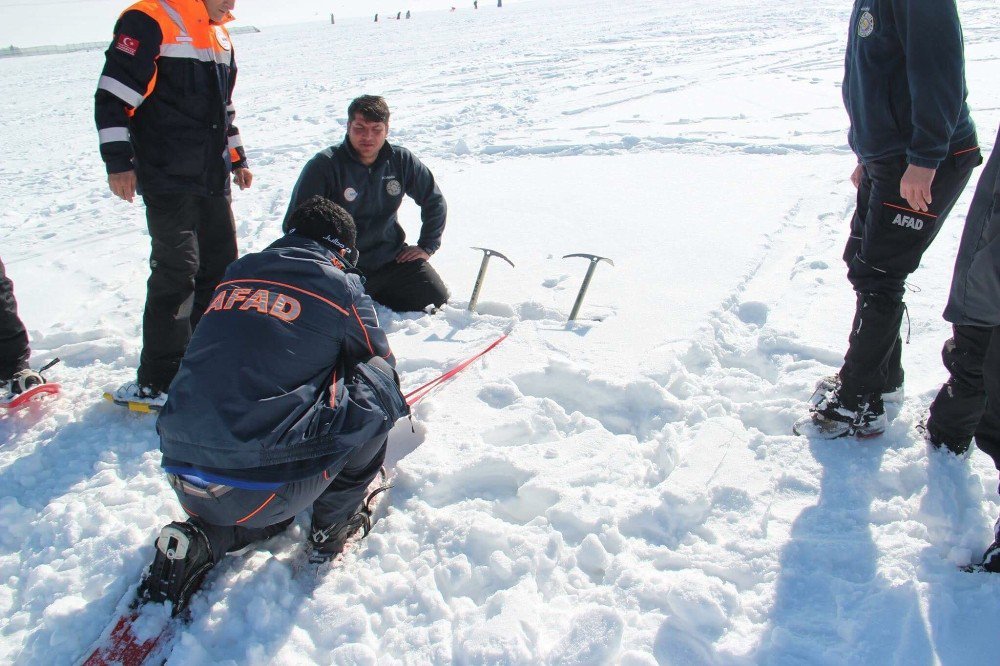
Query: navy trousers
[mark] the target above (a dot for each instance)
(409, 286)
(887, 240)
(14, 350)
(193, 242)
(233, 518)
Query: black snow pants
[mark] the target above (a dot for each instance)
(193, 241)
(887, 240)
(968, 405)
(409, 286)
(236, 517)
(14, 351)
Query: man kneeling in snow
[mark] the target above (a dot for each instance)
(283, 401)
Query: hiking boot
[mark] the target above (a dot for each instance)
(328, 542)
(22, 381)
(991, 558)
(183, 558)
(136, 393)
(831, 383)
(933, 437)
(834, 417)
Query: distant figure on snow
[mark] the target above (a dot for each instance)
(916, 146)
(407, 13)
(376, 18)
(368, 176)
(968, 405)
(15, 375)
(399, 15)
(475, 4)
(284, 401)
(164, 111)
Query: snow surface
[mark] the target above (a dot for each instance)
(619, 490)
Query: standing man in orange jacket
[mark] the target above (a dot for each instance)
(164, 115)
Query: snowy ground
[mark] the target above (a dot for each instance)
(622, 490)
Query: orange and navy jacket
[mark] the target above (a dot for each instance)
(260, 394)
(164, 100)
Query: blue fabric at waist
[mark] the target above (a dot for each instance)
(194, 475)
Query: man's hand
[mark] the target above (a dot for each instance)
(915, 187)
(856, 176)
(242, 177)
(122, 185)
(411, 253)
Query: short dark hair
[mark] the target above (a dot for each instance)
(371, 107)
(322, 220)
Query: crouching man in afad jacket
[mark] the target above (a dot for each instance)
(283, 401)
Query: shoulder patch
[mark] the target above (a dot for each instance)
(127, 44)
(866, 24)
(223, 38)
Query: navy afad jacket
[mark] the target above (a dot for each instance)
(904, 81)
(287, 372)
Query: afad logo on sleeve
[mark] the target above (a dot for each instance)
(127, 44)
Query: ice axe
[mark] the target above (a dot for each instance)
(594, 260)
(487, 253)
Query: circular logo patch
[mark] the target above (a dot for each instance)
(350, 194)
(866, 24)
(220, 34)
(393, 188)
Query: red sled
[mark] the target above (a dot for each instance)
(49, 388)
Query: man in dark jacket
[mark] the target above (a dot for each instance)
(968, 405)
(164, 115)
(904, 89)
(15, 375)
(283, 401)
(368, 176)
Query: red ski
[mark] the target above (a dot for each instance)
(21, 399)
(125, 648)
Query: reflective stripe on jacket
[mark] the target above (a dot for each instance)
(164, 100)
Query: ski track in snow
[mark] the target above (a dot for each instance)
(619, 490)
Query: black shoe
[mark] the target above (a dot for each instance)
(938, 441)
(23, 380)
(328, 542)
(834, 417)
(183, 557)
(991, 558)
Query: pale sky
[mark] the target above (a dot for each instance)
(44, 22)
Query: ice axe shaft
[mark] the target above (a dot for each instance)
(594, 260)
(487, 253)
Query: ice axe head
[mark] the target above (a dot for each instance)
(594, 260)
(487, 253)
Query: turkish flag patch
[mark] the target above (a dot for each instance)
(127, 44)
